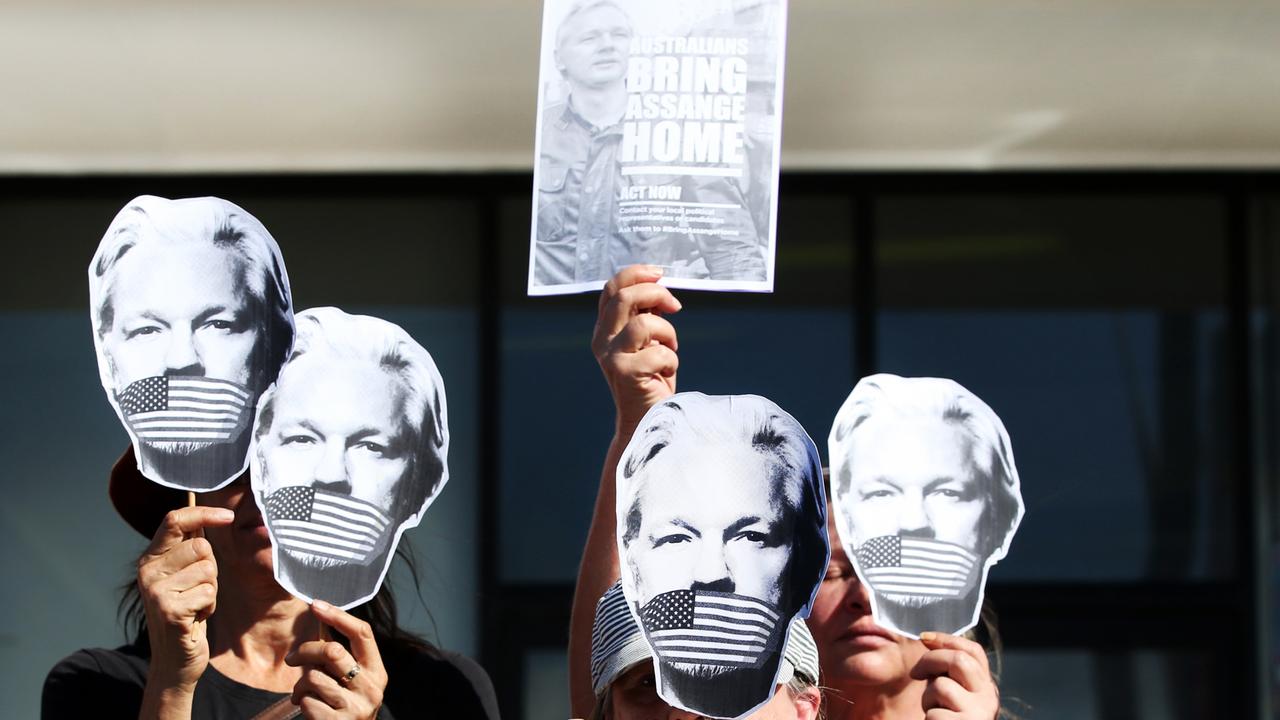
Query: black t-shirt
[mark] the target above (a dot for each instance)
(104, 684)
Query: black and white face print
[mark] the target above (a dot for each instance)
(192, 318)
(349, 448)
(722, 542)
(926, 499)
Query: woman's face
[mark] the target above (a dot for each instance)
(242, 549)
(854, 651)
(634, 696)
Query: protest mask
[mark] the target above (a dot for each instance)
(349, 449)
(722, 544)
(926, 499)
(192, 318)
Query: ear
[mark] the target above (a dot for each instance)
(808, 703)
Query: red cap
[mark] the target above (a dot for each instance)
(141, 502)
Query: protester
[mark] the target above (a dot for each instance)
(867, 672)
(870, 672)
(219, 638)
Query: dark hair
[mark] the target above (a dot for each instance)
(381, 613)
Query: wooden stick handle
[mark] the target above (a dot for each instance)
(191, 502)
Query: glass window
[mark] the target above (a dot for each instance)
(1087, 685)
(546, 684)
(1095, 326)
(1265, 374)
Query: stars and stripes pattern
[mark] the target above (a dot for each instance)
(323, 523)
(710, 627)
(916, 566)
(185, 409)
(616, 640)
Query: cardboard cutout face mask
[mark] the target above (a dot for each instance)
(192, 317)
(926, 498)
(349, 449)
(722, 541)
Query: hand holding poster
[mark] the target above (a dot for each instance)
(192, 318)
(722, 543)
(658, 137)
(926, 499)
(349, 448)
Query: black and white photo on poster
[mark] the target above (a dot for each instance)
(350, 447)
(722, 543)
(192, 317)
(926, 498)
(658, 137)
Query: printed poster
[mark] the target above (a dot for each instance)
(658, 135)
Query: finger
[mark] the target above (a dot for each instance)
(181, 608)
(955, 664)
(198, 573)
(363, 645)
(179, 524)
(326, 654)
(198, 602)
(321, 686)
(313, 708)
(937, 641)
(642, 331)
(626, 277)
(656, 360)
(944, 693)
(631, 301)
(331, 657)
(179, 557)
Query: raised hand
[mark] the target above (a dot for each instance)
(960, 686)
(178, 582)
(636, 346)
(336, 682)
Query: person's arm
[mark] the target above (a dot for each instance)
(178, 581)
(636, 349)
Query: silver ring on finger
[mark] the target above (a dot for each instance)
(350, 674)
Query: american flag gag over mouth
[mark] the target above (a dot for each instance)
(711, 628)
(186, 409)
(333, 525)
(917, 566)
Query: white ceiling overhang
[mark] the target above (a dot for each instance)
(379, 85)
